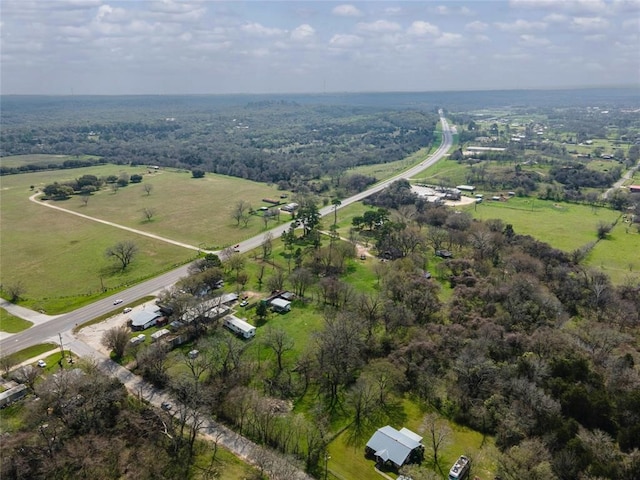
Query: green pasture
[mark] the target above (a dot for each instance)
(12, 324)
(565, 226)
(16, 161)
(618, 254)
(446, 171)
(189, 210)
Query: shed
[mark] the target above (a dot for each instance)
(143, 319)
(395, 448)
(281, 305)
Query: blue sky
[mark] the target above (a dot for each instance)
(191, 47)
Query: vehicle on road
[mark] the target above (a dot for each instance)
(118, 302)
(42, 363)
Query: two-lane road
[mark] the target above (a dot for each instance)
(49, 330)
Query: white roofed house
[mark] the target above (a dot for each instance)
(395, 448)
(143, 319)
(280, 305)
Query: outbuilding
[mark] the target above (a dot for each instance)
(280, 305)
(395, 448)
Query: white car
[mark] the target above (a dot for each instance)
(126, 310)
(244, 303)
(42, 363)
(118, 302)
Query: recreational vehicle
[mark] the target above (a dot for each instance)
(460, 469)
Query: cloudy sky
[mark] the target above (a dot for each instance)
(196, 46)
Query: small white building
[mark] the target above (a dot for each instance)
(280, 305)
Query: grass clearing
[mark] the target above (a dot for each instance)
(617, 255)
(16, 161)
(39, 243)
(565, 226)
(33, 352)
(12, 324)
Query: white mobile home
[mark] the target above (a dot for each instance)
(239, 326)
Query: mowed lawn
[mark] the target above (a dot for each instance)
(59, 258)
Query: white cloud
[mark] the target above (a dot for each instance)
(379, 26)
(303, 33)
(449, 40)
(420, 29)
(107, 13)
(589, 24)
(345, 41)
(346, 11)
(556, 18)
(632, 24)
(528, 40)
(572, 6)
(258, 30)
(476, 26)
(521, 26)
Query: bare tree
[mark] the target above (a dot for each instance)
(7, 363)
(301, 279)
(280, 342)
(147, 188)
(438, 434)
(124, 252)
(267, 245)
(148, 213)
(239, 212)
(85, 198)
(116, 339)
(14, 290)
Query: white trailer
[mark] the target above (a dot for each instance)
(239, 326)
(460, 469)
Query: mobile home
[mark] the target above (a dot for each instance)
(460, 469)
(239, 326)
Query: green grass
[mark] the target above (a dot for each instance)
(102, 318)
(564, 226)
(39, 243)
(617, 255)
(446, 171)
(349, 463)
(15, 161)
(11, 324)
(33, 352)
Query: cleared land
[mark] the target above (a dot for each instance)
(60, 258)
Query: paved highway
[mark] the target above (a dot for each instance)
(49, 330)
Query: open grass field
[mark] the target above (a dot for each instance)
(565, 226)
(619, 254)
(59, 257)
(11, 324)
(34, 351)
(16, 161)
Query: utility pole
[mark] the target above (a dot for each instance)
(61, 347)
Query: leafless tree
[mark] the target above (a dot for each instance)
(85, 198)
(280, 342)
(438, 434)
(301, 279)
(148, 213)
(7, 362)
(267, 245)
(240, 211)
(147, 187)
(124, 252)
(116, 339)
(14, 290)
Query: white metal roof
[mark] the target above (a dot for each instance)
(391, 444)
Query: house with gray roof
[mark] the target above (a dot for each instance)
(143, 319)
(394, 448)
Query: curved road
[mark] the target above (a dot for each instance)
(48, 330)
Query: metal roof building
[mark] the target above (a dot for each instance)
(390, 446)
